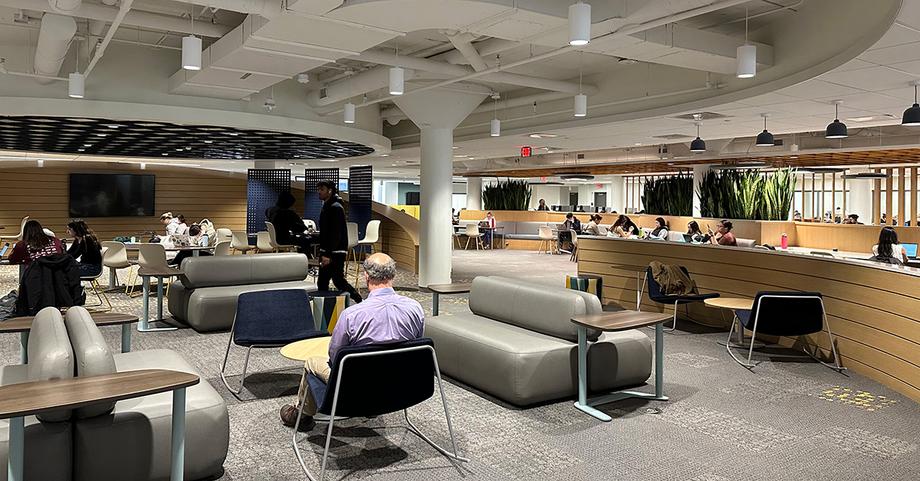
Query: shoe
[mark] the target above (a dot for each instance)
(289, 417)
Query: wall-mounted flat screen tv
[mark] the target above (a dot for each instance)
(112, 195)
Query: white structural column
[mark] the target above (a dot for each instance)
(699, 171)
(436, 112)
(859, 198)
(474, 193)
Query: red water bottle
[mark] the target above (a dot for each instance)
(784, 242)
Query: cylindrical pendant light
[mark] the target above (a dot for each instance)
(747, 61)
(349, 113)
(191, 53)
(75, 82)
(397, 81)
(746, 55)
(765, 138)
(581, 105)
(911, 116)
(495, 128)
(836, 129)
(579, 24)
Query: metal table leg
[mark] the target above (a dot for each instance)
(435, 303)
(14, 470)
(24, 347)
(112, 276)
(126, 338)
(583, 404)
(146, 325)
(177, 468)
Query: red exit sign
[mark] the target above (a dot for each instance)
(526, 151)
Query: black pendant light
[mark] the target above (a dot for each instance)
(836, 129)
(698, 145)
(765, 138)
(912, 115)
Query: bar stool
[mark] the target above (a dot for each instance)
(114, 257)
(151, 259)
(371, 236)
(98, 291)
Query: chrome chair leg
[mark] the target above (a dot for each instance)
(728, 347)
(830, 337)
(223, 367)
(674, 321)
(453, 440)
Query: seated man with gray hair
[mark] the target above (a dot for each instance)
(384, 317)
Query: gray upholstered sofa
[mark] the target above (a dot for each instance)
(517, 343)
(204, 296)
(129, 439)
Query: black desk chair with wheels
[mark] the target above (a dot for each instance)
(379, 380)
(655, 294)
(789, 314)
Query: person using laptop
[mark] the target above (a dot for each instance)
(694, 234)
(888, 248)
(724, 237)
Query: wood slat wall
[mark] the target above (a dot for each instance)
(873, 311)
(43, 195)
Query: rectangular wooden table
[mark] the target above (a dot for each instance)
(26, 399)
(611, 322)
(452, 288)
(23, 325)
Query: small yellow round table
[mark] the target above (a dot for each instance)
(307, 348)
(734, 304)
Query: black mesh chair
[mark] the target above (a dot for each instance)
(788, 314)
(379, 379)
(655, 294)
(269, 319)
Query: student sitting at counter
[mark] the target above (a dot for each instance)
(593, 227)
(661, 230)
(35, 244)
(724, 237)
(852, 219)
(623, 227)
(693, 230)
(888, 248)
(572, 223)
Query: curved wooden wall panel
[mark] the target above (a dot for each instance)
(873, 309)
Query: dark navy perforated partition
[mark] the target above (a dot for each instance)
(311, 203)
(360, 185)
(262, 191)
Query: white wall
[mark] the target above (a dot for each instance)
(551, 193)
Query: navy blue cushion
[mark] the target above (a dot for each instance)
(273, 318)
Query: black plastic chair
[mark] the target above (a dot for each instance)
(269, 319)
(789, 314)
(379, 379)
(655, 294)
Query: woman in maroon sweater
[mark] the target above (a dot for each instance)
(34, 244)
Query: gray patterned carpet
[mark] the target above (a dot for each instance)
(787, 420)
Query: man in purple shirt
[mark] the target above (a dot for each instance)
(383, 318)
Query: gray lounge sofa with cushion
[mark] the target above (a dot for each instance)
(204, 296)
(129, 439)
(517, 343)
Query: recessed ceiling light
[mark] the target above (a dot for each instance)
(455, 147)
(209, 141)
(542, 135)
(101, 135)
(861, 119)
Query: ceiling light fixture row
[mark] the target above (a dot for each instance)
(397, 77)
(495, 125)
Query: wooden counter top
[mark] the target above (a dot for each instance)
(873, 309)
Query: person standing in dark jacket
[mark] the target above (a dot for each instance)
(333, 241)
